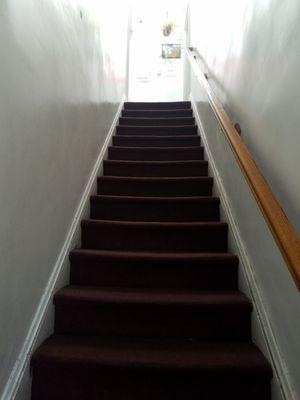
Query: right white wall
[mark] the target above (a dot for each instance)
(251, 50)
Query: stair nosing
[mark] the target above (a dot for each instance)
(157, 162)
(158, 136)
(153, 178)
(214, 257)
(88, 221)
(158, 126)
(182, 199)
(206, 299)
(157, 109)
(159, 118)
(156, 148)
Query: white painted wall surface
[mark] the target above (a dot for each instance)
(251, 48)
(62, 76)
(263, 274)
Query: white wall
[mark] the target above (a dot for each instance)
(251, 48)
(263, 274)
(62, 76)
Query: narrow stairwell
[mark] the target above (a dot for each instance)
(153, 309)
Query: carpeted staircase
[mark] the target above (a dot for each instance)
(153, 310)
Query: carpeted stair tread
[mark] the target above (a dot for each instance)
(197, 258)
(209, 358)
(180, 199)
(206, 271)
(157, 105)
(92, 368)
(153, 312)
(170, 209)
(155, 186)
(156, 141)
(161, 225)
(159, 163)
(157, 130)
(150, 296)
(155, 153)
(158, 113)
(143, 121)
(154, 236)
(155, 168)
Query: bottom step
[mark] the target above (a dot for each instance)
(93, 368)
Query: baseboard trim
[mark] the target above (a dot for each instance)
(274, 355)
(15, 379)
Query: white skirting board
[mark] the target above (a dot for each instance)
(18, 385)
(282, 388)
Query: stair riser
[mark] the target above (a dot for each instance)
(155, 154)
(154, 238)
(157, 121)
(61, 382)
(156, 130)
(152, 321)
(145, 273)
(157, 113)
(150, 141)
(155, 170)
(157, 189)
(207, 211)
(157, 105)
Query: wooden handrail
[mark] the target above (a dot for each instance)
(282, 230)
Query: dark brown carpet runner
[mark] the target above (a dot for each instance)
(153, 310)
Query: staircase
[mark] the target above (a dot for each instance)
(153, 310)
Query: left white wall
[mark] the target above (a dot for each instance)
(62, 77)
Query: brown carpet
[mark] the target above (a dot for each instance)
(153, 310)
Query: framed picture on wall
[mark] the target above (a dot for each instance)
(171, 50)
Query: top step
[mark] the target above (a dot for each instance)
(157, 105)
